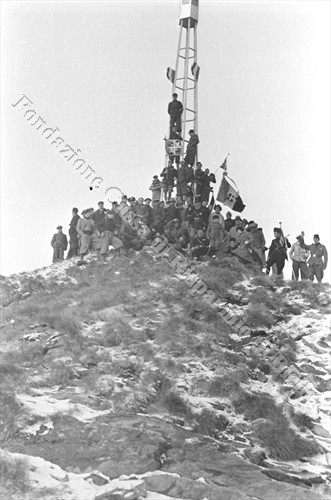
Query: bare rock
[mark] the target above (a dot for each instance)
(318, 430)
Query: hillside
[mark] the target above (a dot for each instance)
(115, 370)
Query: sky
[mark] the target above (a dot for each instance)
(96, 71)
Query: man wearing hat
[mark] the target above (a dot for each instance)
(199, 179)
(73, 235)
(171, 212)
(59, 243)
(318, 259)
(258, 242)
(299, 256)
(99, 217)
(175, 109)
(277, 252)
(192, 148)
(182, 181)
(85, 230)
(233, 231)
(229, 222)
(155, 187)
(206, 187)
(158, 217)
(168, 174)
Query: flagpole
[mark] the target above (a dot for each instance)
(222, 163)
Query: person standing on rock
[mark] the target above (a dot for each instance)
(85, 230)
(318, 259)
(299, 257)
(60, 244)
(73, 235)
(277, 252)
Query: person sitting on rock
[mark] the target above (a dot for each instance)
(233, 245)
(60, 244)
(109, 236)
(199, 245)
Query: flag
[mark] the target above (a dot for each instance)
(173, 147)
(171, 73)
(225, 165)
(195, 71)
(229, 196)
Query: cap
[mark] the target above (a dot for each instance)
(277, 230)
(59, 227)
(316, 236)
(154, 176)
(100, 203)
(114, 203)
(238, 217)
(191, 131)
(75, 210)
(148, 199)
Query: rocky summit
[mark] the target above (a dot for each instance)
(120, 383)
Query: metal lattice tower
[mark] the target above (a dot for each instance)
(185, 81)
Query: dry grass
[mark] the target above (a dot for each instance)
(228, 384)
(209, 423)
(282, 442)
(14, 477)
(258, 316)
(176, 404)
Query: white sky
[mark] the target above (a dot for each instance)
(96, 70)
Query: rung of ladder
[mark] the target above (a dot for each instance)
(191, 110)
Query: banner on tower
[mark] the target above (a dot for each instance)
(195, 71)
(171, 73)
(173, 147)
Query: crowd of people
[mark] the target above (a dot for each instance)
(196, 229)
(190, 222)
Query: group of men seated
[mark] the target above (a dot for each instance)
(195, 229)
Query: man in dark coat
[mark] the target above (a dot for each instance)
(277, 252)
(229, 222)
(59, 243)
(175, 109)
(171, 212)
(192, 148)
(206, 188)
(199, 245)
(199, 179)
(73, 235)
(99, 217)
(168, 174)
(158, 217)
